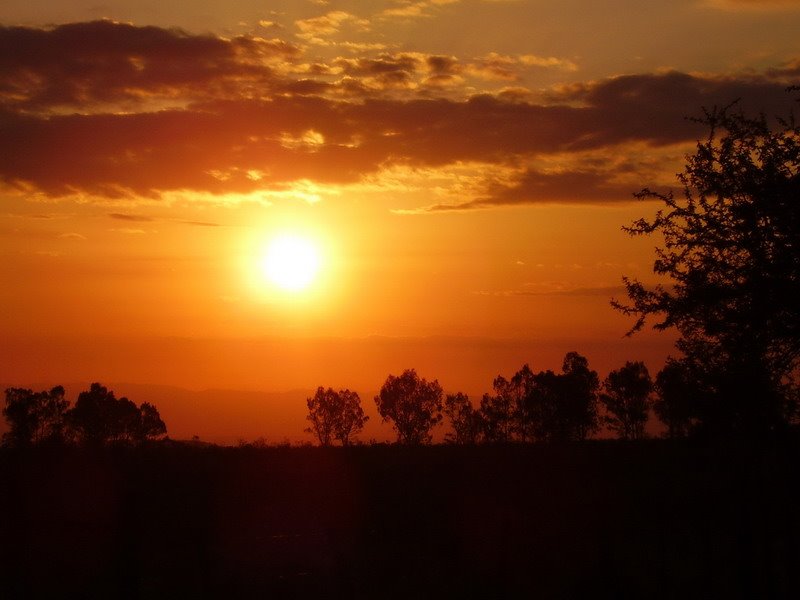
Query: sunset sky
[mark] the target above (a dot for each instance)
(459, 170)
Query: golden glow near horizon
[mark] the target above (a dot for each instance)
(315, 171)
(291, 262)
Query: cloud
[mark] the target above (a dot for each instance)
(129, 231)
(84, 64)
(328, 24)
(547, 62)
(753, 5)
(73, 236)
(201, 223)
(238, 123)
(406, 9)
(216, 146)
(558, 289)
(133, 218)
(503, 67)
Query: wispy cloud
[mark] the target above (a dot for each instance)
(127, 217)
(753, 5)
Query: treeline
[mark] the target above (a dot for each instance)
(97, 418)
(528, 407)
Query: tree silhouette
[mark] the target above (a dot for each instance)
(579, 386)
(496, 414)
(34, 417)
(98, 417)
(731, 260)
(564, 406)
(677, 398)
(150, 424)
(464, 419)
(413, 405)
(335, 416)
(543, 406)
(625, 396)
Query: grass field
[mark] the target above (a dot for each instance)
(654, 519)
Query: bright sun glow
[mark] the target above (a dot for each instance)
(291, 262)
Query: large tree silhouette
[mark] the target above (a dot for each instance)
(731, 263)
(34, 417)
(98, 417)
(335, 416)
(412, 404)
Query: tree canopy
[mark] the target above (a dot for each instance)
(412, 404)
(732, 270)
(626, 398)
(34, 417)
(335, 416)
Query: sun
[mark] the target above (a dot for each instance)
(291, 262)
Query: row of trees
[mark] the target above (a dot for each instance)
(97, 418)
(729, 264)
(544, 406)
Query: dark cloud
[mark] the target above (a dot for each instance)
(243, 128)
(79, 64)
(534, 187)
(655, 108)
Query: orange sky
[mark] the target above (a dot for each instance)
(462, 167)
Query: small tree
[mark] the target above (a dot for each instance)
(677, 398)
(335, 416)
(34, 417)
(150, 424)
(413, 405)
(464, 419)
(625, 396)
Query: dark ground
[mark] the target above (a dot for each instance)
(598, 519)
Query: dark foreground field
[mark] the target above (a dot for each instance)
(609, 519)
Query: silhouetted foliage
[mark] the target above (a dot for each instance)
(34, 417)
(98, 417)
(565, 405)
(413, 405)
(730, 256)
(543, 406)
(335, 416)
(464, 419)
(626, 398)
(496, 414)
(579, 388)
(677, 398)
(150, 424)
